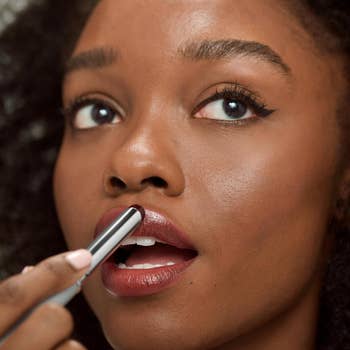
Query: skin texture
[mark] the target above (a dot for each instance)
(254, 198)
(52, 324)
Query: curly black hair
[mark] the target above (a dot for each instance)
(32, 57)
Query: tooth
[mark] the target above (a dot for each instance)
(129, 241)
(138, 266)
(143, 266)
(122, 266)
(145, 241)
(148, 266)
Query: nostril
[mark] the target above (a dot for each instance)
(116, 182)
(155, 181)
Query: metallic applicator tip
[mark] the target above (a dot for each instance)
(140, 209)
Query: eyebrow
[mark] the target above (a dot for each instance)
(202, 50)
(222, 49)
(92, 59)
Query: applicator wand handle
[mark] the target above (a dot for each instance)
(101, 249)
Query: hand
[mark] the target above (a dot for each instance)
(50, 325)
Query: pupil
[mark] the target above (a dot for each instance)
(102, 114)
(234, 109)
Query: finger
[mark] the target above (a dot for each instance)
(27, 269)
(71, 345)
(21, 292)
(48, 325)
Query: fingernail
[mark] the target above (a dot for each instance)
(74, 344)
(27, 269)
(79, 259)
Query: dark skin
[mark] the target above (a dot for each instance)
(260, 255)
(50, 325)
(254, 196)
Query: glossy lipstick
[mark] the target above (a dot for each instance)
(156, 255)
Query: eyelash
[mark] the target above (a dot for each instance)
(74, 105)
(232, 92)
(240, 93)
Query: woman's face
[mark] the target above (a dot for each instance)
(219, 117)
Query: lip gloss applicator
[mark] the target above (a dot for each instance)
(105, 244)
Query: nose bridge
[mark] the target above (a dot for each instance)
(145, 146)
(146, 157)
(148, 136)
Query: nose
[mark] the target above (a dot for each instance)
(145, 160)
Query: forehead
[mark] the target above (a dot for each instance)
(161, 26)
(149, 34)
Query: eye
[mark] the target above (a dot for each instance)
(87, 114)
(235, 104)
(224, 109)
(93, 115)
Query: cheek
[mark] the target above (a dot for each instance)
(262, 239)
(269, 197)
(268, 175)
(279, 189)
(77, 187)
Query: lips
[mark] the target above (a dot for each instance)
(150, 260)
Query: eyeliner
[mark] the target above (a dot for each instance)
(106, 243)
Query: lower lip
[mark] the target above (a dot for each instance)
(133, 283)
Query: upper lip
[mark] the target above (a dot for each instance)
(154, 225)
